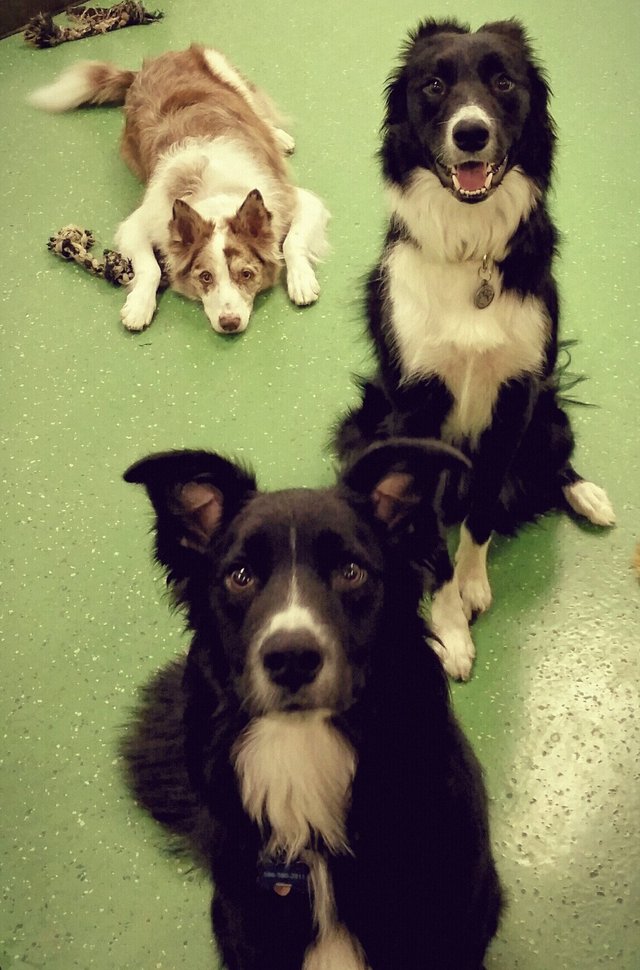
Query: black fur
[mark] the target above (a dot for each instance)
(419, 890)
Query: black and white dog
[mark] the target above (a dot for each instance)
(306, 746)
(462, 306)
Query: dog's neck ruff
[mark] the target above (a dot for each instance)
(295, 772)
(450, 231)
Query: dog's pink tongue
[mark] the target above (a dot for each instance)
(471, 176)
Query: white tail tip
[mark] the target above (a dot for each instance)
(68, 91)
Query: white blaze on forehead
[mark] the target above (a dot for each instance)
(294, 615)
(217, 255)
(225, 298)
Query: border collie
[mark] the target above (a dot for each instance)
(219, 206)
(462, 306)
(306, 747)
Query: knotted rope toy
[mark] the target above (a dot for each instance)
(74, 244)
(41, 31)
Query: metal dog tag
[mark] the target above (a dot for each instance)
(484, 295)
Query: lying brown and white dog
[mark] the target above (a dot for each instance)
(220, 205)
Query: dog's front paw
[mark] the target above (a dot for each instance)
(138, 310)
(456, 649)
(475, 593)
(590, 500)
(471, 574)
(302, 285)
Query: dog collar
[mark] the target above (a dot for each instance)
(485, 293)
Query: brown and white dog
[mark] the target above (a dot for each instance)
(220, 205)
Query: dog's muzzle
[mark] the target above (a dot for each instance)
(293, 661)
(472, 181)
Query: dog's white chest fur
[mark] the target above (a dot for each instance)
(295, 772)
(437, 328)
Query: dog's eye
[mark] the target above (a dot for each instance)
(434, 86)
(206, 277)
(503, 83)
(247, 274)
(350, 576)
(240, 578)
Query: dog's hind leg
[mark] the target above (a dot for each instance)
(587, 499)
(304, 245)
(542, 476)
(133, 241)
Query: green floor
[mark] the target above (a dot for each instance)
(553, 706)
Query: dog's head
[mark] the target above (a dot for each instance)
(223, 260)
(291, 591)
(468, 107)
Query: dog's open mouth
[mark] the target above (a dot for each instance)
(473, 181)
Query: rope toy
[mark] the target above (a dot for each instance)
(42, 32)
(74, 244)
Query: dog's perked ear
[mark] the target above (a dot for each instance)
(194, 494)
(252, 219)
(401, 476)
(187, 227)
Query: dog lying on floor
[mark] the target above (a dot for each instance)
(219, 205)
(306, 749)
(462, 306)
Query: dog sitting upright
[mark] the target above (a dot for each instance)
(219, 206)
(306, 748)
(462, 307)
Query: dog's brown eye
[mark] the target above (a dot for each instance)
(434, 86)
(502, 83)
(206, 277)
(351, 576)
(240, 578)
(247, 274)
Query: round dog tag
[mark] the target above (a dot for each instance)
(484, 295)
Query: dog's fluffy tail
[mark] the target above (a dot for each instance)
(90, 82)
(153, 760)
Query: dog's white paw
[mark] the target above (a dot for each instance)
(475, 592)
(302, 285)
(457, 651)
(285, 141)
(448, 621)
(471, 575)
(138, 310)
(590, 500)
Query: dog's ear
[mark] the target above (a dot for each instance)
(252, 219)
(187, 227)
(401, 476)
(194, 494)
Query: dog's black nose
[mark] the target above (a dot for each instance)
(470, 136)
(230, 323)
(291, 660)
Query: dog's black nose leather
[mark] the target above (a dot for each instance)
(470, 136)
(230, 323)
(292, 660)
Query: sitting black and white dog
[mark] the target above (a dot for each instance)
(462, 306)
(306, 748)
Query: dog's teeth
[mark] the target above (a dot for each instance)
(456, 183)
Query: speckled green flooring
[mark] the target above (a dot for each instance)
(553, 706)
